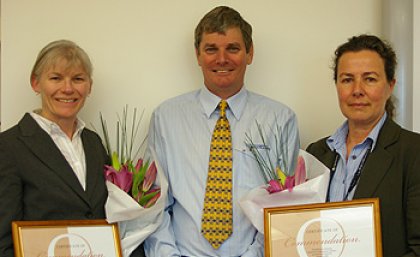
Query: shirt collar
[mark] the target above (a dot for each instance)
(52, 128)
(236, 103)
(338, 139)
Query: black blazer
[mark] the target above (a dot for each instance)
(37, 183)
(391, 173)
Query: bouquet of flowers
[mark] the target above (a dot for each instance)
(276, 173)
(136, 190)
(307, 183)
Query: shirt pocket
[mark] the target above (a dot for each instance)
(247, 175)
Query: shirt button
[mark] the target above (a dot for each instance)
(354, 157)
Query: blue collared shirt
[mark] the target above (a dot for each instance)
(345, 170)
(180, 134)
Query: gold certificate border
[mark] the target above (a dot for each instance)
(19, 226)
(279, 213)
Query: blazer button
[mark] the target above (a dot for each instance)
(89, 215)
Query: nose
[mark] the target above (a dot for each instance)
(222, 57)
(68, 86)
(358, 87)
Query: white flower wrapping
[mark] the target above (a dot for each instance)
(135, 223)
(314, 190)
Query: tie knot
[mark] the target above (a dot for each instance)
(222, 106)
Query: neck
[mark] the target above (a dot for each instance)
(225, 93)
(68, 126)
(356, 135)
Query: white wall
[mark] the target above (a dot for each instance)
(143, 51)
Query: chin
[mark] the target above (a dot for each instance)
(362, 120)
(67, 115)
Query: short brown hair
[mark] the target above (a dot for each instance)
(219, 20)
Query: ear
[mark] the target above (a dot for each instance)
(90, 86)
(250, 55)
(391, 86)
(35, 84)
(197, 55)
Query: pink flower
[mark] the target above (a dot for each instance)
(290, 183)
(144, 176)
(150, 177)
(274, 186)
(123, 178)
(149, 198)
(153, 200)
(139, 164)
(134, 178)
(300, 173)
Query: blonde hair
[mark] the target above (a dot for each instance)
(61, 50)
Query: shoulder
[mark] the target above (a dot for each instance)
(410, 136)
(11, 143)
(178, 104)
(262, 103)
(9, 133)
(92, 140)
(408, 143)
(261, 100)
(319, 147)
(90, 133)
(27, 125)
(9, 140)
(93, 143)
(392, 135)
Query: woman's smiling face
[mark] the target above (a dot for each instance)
(63, 90)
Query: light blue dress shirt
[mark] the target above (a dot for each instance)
(180, 133)
(345, 170)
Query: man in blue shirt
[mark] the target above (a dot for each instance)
(180, 134)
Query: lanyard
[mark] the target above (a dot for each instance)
(356, 175)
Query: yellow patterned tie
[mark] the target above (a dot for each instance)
(216, 223)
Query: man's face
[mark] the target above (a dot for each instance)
(223, 60)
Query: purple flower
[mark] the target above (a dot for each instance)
(122, 178)
(274, 186)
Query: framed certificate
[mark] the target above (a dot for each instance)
(336, 229)
(66, 238)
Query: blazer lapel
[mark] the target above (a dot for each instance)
(42, 146)
(92, 161)
(377, 165)
(327, 156)
(378, 162)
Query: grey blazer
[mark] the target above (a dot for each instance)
(391, 173)
(37, 183)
